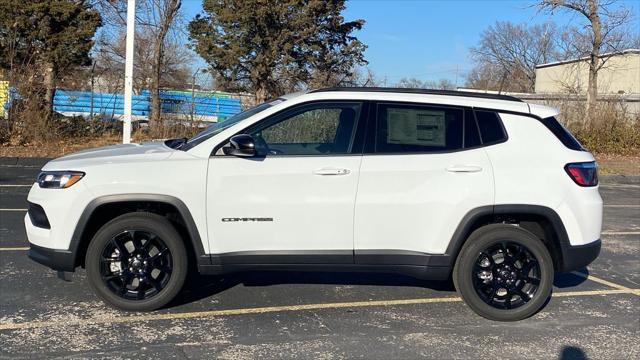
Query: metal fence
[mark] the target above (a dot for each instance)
(183, 105)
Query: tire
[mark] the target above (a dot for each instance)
(137, 262)
(488, 282)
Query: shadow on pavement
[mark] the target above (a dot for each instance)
(567, 280)
(572, 353)
(199, 286)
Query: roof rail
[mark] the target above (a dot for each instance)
(421, 91)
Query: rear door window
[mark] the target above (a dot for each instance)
(404, 128)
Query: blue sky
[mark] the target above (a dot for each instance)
(429, 39)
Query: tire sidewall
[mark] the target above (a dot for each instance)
(490, 235)
(145, 222)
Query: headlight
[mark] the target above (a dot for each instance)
(58, 179)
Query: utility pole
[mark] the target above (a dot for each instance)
(456, 85)
(128, 71)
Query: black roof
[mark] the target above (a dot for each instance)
(422, 91)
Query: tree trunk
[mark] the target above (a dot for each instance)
(156, 108)
(261, 94)
(592, 90)
(50, 86)
(594, 62)
(169, 12)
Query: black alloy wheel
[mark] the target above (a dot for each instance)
(506, 275)
(136, 264)
(504, 272)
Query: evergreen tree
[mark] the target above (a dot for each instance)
(269, 47)
(49, 35)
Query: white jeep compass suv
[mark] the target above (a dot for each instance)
(486, 189)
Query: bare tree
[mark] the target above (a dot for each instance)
(603, 32)
(157, 41)
(514, 50)
(488, 76)
(414, 83)
(363, 77)
(442, 84)
(410, 83)
(175, 72)
(162, 15)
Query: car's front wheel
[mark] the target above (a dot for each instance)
(504, 273)
(137, 262)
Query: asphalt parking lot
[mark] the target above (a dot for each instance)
(594, 313)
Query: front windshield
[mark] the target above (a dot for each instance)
(218, 127)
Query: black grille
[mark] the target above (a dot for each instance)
(38, 216)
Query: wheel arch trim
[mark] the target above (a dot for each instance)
(465, 226)
(183, 210)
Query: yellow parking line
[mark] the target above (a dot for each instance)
(606, 282)
(264, 310)
(621, 233)
(16, 248)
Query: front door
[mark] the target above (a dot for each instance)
(293, 203)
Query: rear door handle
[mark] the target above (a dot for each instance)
(464, 168)
(331, 171)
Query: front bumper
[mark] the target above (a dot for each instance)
(577, 257)
(60, 260)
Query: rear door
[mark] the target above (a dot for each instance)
(423, 169)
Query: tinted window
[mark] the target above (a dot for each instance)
(491, 130)
(413, 128)
(218, 127)
(310, 130)
(471, 134)
(562, 133)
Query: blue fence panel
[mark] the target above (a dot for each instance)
(103, 103)
(200, 104)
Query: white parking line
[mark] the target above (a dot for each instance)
(110, 320)
(621, 233)
(623, 206)
(14, 210)
(15, 185)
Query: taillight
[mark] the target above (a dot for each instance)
(584, 173)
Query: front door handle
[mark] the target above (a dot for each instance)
(464, 168)
(331, 171)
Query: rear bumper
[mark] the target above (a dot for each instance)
(577, 257)
(60, 260)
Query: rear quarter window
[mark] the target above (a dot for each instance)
(491, 129)
(562, 134)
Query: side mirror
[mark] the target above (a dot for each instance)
(242, 145)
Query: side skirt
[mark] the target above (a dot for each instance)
(414, 264)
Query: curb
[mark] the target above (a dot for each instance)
(23, 161)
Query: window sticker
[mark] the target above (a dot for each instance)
(416, 127)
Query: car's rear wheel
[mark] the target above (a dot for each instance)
(137, 262)
(504, 273)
